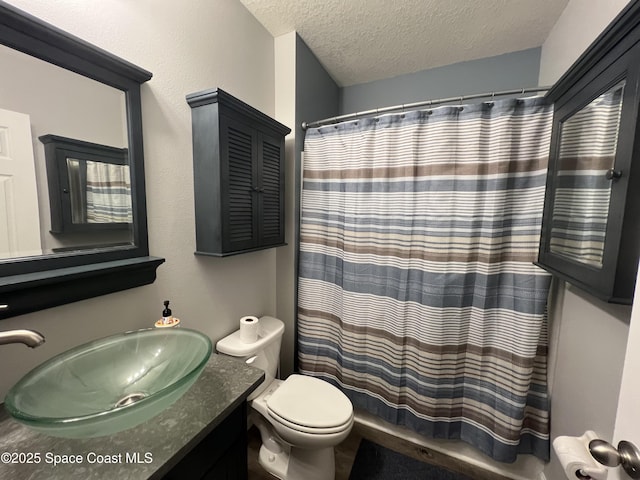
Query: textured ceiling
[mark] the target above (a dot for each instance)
(359, 41)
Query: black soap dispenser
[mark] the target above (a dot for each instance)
(167, 320)
(166, 313)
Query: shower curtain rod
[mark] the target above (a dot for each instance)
(410, 106)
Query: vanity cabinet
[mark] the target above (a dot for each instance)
(221, 455)
(238, 163)
(591, 220)
(202, 436)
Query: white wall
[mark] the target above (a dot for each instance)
(578, 26)
(589, 337)
(627, 419)
(188, 46)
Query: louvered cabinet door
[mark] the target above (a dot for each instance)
(238, 165)
(271, 194)
(239, 185)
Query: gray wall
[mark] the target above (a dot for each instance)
(317, 94)
(491, 74)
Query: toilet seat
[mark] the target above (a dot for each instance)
(310, 405)
(310, 430)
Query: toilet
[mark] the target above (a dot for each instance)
(300, 419)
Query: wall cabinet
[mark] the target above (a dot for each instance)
(590, 229)
(238, 163)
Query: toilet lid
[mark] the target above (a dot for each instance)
(310, 402)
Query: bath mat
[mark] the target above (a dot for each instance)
(374, 462)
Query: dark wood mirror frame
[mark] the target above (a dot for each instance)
(29, 284)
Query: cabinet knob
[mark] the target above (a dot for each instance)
(613, 174)
(258, 190)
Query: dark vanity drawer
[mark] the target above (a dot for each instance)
(221, 455)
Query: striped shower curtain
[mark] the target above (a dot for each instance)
(108, 193)
(417, 293)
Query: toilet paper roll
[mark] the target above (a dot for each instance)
(575, 458)
(249, 329)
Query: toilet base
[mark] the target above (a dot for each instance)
(299, 463)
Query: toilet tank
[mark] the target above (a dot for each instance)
(264, 353)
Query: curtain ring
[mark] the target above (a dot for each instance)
(491, 102)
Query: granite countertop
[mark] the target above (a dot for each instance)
(147, 451)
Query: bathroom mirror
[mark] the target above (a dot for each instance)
(85, 104)
(585, 174)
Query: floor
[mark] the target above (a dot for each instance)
(346, 452)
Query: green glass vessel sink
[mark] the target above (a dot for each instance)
(110, 384)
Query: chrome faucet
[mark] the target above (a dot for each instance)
(30, 338)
